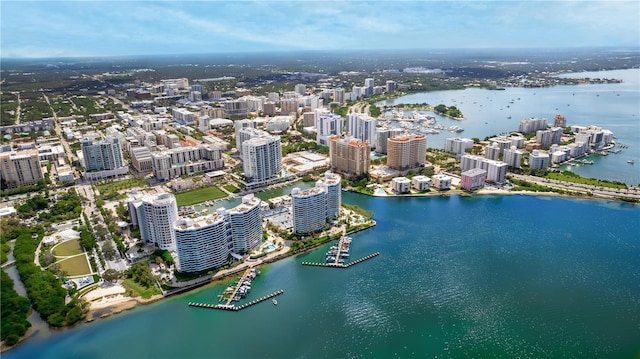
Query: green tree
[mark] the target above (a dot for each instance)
(111, 275)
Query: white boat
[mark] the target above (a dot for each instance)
(631, 162)
(275, 302)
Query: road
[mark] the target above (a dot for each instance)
(603, 192)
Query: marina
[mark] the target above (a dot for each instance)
(341, 265)
(231, 307)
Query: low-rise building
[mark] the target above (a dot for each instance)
(473, 179)
(421, 183)
(441, 182)
(401, 184)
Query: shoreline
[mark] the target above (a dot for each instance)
(125, 303)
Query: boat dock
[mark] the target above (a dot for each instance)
(341, 265)
(337, 254)
(242, 286)
(232, 307)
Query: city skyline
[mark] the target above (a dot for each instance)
(119, 28)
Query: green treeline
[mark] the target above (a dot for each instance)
(43, 288)
(14, 309)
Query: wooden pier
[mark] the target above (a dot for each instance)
(341, 265)
(233, 308)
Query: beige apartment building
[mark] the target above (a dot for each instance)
(349, 155)
(406, 151)
(20, 168)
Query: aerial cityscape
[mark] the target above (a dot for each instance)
(352, 179)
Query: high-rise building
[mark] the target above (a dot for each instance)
(362, 127)
(301, 89)
(179, 161)
(20, 168)
(512, 157)
(202, 243)
(239, 125)
(382, 135)
(262, 158)
(406, 151)
(327, 124)
(559, 121)
(101, 155)
(289, 106)
(312, 208)
(155, 216)
(391, 86)
(245, 221)
(349, 155)
(457, 145)
(338, 95)
(183, 116)
(206, 242)
(538, 160)
(492, 151)
(532, 125)
(369, 85)
(473, 179)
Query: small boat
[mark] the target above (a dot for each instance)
(274, 301)
(631, 162)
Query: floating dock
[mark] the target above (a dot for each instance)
(232, 307)
(341, 265)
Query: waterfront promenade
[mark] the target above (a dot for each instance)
(596, 191)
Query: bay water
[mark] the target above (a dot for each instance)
(510, 276)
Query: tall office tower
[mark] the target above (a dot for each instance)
(457, 145)
(338, 95)
(155, 216)
(239, 125)
(559, 121)
(406, 151)
(312, 208)
(382, 135)
(301, 89)
(245, 222)
(362, 127)
(327, 124)
(538, 160)
(349, 155)
(102, 155)
(20, 168)
(492, 151)
(262, 158)
(391, 86)
(532, 125)
(202, 243)
(512, 157)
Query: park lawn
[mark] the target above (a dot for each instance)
(574, 178)
(120, 185)
(74, 266)
(199, 195)
(139, 291)
(231, 188)
(67, 248)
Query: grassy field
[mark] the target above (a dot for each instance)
(75, 265)
(568, 176)
(120, 185)
(67, 248)
(139, 291)
(199, 195)
(231, 188)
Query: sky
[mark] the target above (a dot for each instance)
(33, 29)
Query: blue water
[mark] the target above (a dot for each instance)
(615, 107)
(478, 277)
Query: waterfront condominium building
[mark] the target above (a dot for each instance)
(312, 208)
(382, 135)
(538, 160)
(20, 168)
(421, 183)
(512, 157)
(492, 151)
(406, 151)
(441, 181)
(457, 145)
(559, 121)
(327, 124)
(532, 125)
(202, 243)
(495, 171)
(473, 179)
(245, 222)
(349, 155)
(250, 127)
(362, 127)
(262, 158)
(155, 216)
(401, 184)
